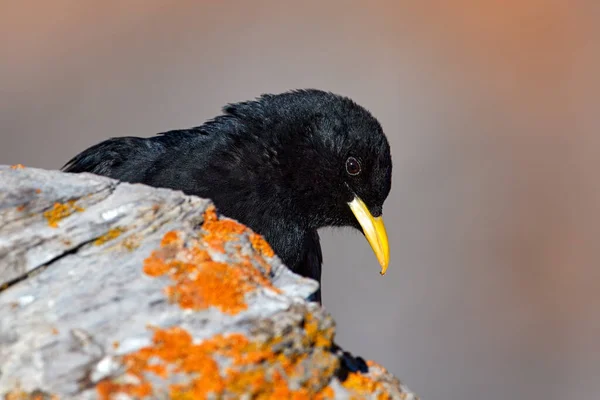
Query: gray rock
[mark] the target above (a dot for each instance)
(116, 290)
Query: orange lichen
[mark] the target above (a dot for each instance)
(60, 211)
(198, 281)
(21, 207)
(314, 335)
(325, 394)
(251, 369)
(38, 191)
(108, 236)
(17, 166)
(170, 238)
(219, 231)
(55, 331)
(362, 385)
(131, 242)
(223, 365)
(371, 363)
(261, 246)
(207, 288)
(106, 389)
(16, 394)
(19, 394)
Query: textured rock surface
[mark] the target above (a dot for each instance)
(112, 290)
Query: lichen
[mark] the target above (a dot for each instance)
(372, 384)
(258, 369)
(198, 281)
(171, 237)
(131, 242)
(261, 246)
(17, 166)
(280, 358)
(60, 211)
(360, 384)
(218, 231)
(19, 394)
(108, 236)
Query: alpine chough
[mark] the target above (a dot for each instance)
(283, 164)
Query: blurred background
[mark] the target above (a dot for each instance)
(492, 111)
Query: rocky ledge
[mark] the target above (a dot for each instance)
(113, 290)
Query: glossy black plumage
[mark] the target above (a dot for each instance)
(276, 164)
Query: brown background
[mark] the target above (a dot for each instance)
(492, 111)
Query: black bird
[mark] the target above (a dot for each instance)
(284, 164)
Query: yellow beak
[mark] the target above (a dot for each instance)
(374, 230)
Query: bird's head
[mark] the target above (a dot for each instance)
(332, 157)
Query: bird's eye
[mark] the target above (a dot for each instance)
(352, 166)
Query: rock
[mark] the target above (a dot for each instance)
(114, 290)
